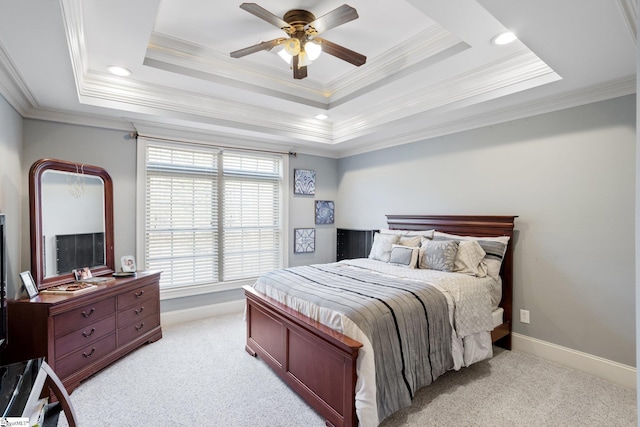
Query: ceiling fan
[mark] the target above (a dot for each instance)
(303, 44)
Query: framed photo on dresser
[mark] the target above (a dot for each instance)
(29, 284)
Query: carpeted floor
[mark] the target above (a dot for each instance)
(199, 374)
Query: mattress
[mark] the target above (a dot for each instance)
(497, 317)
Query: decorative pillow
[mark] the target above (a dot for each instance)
(494, 247)
(412, 241)
(426, 233)
(438, 255)
(404, 255)
(469, 259)
(382, 245)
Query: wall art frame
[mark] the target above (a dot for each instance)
(304, 181)
(325, 212)
(304, 240)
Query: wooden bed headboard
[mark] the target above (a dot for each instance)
(471, 225)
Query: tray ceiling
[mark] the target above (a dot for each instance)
(431, 68)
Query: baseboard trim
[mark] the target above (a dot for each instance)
(609, 370)
(175, 317)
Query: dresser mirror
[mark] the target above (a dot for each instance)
(71, 207)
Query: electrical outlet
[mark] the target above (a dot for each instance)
(524, 316)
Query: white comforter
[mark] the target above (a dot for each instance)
(470, 303)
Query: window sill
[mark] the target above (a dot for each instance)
(188, 291)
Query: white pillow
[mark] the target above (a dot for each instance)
(412, 241)
(469, 259)
(405, 256)
(426, 233)
(382, 245)
(494, 247)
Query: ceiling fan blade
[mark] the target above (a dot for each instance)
(341, 52)
(257, 48)
(298, 72)
(338, 16)
(264, 14)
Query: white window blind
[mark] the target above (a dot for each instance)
(212, 215)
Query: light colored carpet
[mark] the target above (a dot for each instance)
(199, 374)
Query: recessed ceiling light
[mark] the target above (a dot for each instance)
(504, 38)
(119, 71)
(322, 116)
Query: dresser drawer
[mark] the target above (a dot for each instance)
(137, 312)
(85, 336)
(82, 357)
(82, 317)
(133, 331)
(138, 295)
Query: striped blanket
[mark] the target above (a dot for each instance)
(407, 322)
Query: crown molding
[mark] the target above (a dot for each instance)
(477, 84)
(596, 93)
(622, 87)
(629, 10)
(72, 19)
(428, 47)
(182, 133)
(13, 88)
(432, 45)
(103, 90)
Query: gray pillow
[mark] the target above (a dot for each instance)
(382, 244)
(404, 256)
(438, 255)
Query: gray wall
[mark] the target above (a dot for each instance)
(11, 194)
(569, 175)
(116, 152)
(302, 209)
(109, 149)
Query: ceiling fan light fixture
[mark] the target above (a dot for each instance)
(312, 49)
(303, 59)
(285, 56)
(292, 46)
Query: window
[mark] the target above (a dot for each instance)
(211, 215)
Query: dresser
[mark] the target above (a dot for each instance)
(78, 335)
(353, 243)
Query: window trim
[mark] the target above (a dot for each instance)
(186, 291)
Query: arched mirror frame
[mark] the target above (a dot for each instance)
(35, 206)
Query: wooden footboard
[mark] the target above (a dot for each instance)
(317, 362)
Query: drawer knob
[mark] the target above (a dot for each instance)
(93, 350)
(139, 294)
(140, 327)
(88, 334)
(140, 310)
(86, 315)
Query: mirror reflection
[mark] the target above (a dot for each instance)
(73, 222)
(71, 209)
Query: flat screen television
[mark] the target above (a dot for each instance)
(3, 283)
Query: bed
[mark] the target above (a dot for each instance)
(327, 359)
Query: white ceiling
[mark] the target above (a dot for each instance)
(431, 68)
